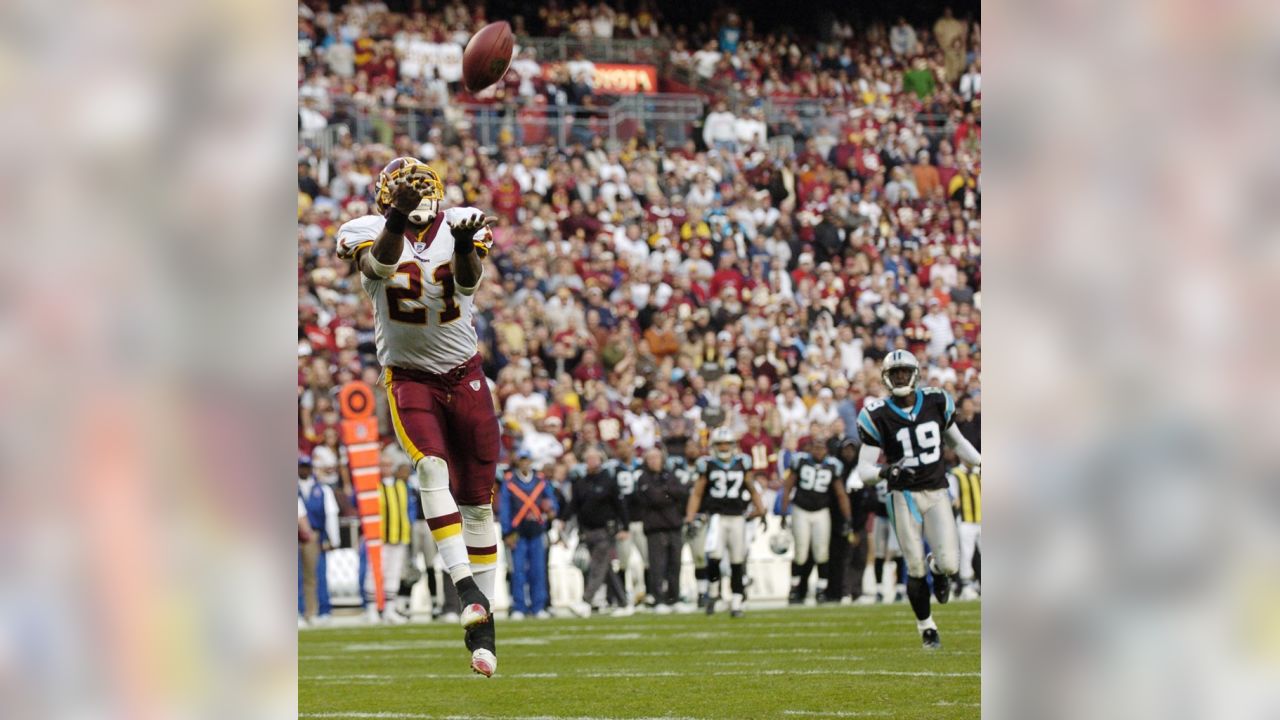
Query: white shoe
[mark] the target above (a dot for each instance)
(865, 600)
(581, 609)
(516, 615)
(391, 617)
(968, 593)
(735, 605)
(302, 622)
(846, 600)
(473, 614)
(371, 614)
(543, 615)
(663, 610)
(685, 608)
(484, 663)
(322, 620)
(624, 611)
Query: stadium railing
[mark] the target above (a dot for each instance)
(525, 122)
(563, 48)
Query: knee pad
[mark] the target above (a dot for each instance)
(477, 525)
(947, 563)
(916, 567)
(477, 514)
(433, 474)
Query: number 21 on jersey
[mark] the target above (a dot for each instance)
(929, 438)
(412, 291)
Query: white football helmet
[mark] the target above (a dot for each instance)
(900, 372)
(722, 442)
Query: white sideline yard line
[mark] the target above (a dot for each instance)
(746, 635)
(376, 679)
(452, 651)
(839, 712)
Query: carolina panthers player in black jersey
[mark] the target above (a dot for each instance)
(718, 491)
(910, 428)
(626, 470)
(815, 476)
(682, 460)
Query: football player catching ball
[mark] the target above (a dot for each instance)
(421, 265)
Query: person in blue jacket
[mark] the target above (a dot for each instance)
(527, 504)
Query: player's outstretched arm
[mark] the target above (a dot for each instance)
(466, 262)
(757, 503)
(788, 484)
(695, 499)
(968, 453)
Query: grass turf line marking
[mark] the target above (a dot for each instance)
(839, 712)
(641, 674)
(425, 716)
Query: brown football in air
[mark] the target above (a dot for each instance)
(487, 56)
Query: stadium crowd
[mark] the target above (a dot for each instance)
(639, 296)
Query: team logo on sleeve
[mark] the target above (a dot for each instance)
(475, 385)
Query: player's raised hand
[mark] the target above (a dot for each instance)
(405, 195)
(466, 228)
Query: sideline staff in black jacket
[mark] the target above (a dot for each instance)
(661, 500)
(597, 505)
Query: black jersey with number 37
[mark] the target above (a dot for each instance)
(726, 484)
(914, 433)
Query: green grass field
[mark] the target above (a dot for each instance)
(829, 662)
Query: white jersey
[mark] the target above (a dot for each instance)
(423, 318)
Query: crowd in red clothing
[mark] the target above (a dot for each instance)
(646, 292)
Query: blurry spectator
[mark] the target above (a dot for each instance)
(596, 504)
(971, 82)
(950, 34)
(660, 499)
(527, 504)
(322, 516)
(329, 460)
(823, 413)
(969, 420)
(719, 129)
(902, 39)
(706, 59)
(939, 325)
(730, 34)
(397, 534)
(928, 181)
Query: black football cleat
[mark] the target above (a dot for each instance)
(941, 589)
(711, 605)
(930, 639)
(941, 583)
(795, 598)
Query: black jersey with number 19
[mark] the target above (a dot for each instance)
(914, 433)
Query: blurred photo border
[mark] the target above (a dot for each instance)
(148, 360)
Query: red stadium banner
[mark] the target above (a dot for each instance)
(360, 435)
(611, 79)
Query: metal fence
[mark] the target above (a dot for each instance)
(550, 49)
(665, 118)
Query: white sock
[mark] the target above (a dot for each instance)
(926, 624)
(481, 539)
